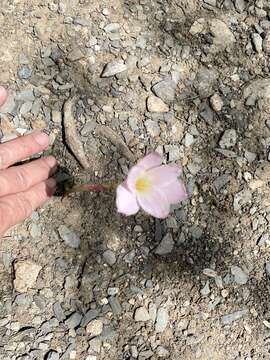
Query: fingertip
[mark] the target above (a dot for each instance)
(41, 138)
(3, 95)
(50, 186)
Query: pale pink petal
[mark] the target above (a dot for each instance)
(133, 174)
(154, 203)
(126, 202)
(175, 192)
(164, 175)
(150, 161)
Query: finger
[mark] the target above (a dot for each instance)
(21, 148)
(3, 95)
(15, 208)
(21, 178)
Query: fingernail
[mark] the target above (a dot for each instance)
(41, 138)
(51, 183)
(51, 161)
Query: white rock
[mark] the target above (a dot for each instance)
(228, 139)
(141, 314)
(94, 328)
(216, 102)
(26, 273)
(113, 68)
(162, 320)
(155, 104)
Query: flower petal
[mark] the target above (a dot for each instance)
(175, 192)
(154, 203)
(150, 161)
(134, 173)
(164, 175)
(126, 202)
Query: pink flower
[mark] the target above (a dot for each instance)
(151, 186)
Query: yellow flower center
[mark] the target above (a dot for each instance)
(143, 184)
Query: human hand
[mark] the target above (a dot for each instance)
(25, 187)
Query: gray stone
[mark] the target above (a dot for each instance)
(259, 89)
(152, 128)
(257, 42)
(109, 257)
(228, 139)
(205, 291)
(241, 199)
(266, 42)
(73, 320)
(162, 352)
(206, 113)
(115, 305)
(152, 309)
(228, 319)
(221, 181)
(52, 355)
(75, 54)
(88, 128)
(165, 90)
(223, 38)
(267, 268)
(166, 245)
(161, 320)
(240, 5)
(82, 22)
(209, 272)
(141, 314)
(24, 72)
(129, 257)
(26, 95)
(70, 237)
(89, 316)
(205, 81)
(58, 311)
(113, 68)
(240, 277)
(112, 27)
(9, 106)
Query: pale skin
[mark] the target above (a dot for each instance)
(23, 188)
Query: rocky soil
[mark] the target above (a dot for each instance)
(111, 81)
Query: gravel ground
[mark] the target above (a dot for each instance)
(111, 81)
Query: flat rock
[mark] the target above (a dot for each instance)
(205, 81)
(228, 139)
(70, 237)
(94, 327)
(165, 90)
(161, 320)
(240, 277)
(9, 106)
(166, 245)
(73, 320)
(26, 273)
(141, 314)
(223, 38)
(109, 257)
(155, 104)
(113, 68)
(230, 318)
(259, 89)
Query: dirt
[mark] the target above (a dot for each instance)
(220, 225)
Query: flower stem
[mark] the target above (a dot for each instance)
(96, 188)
